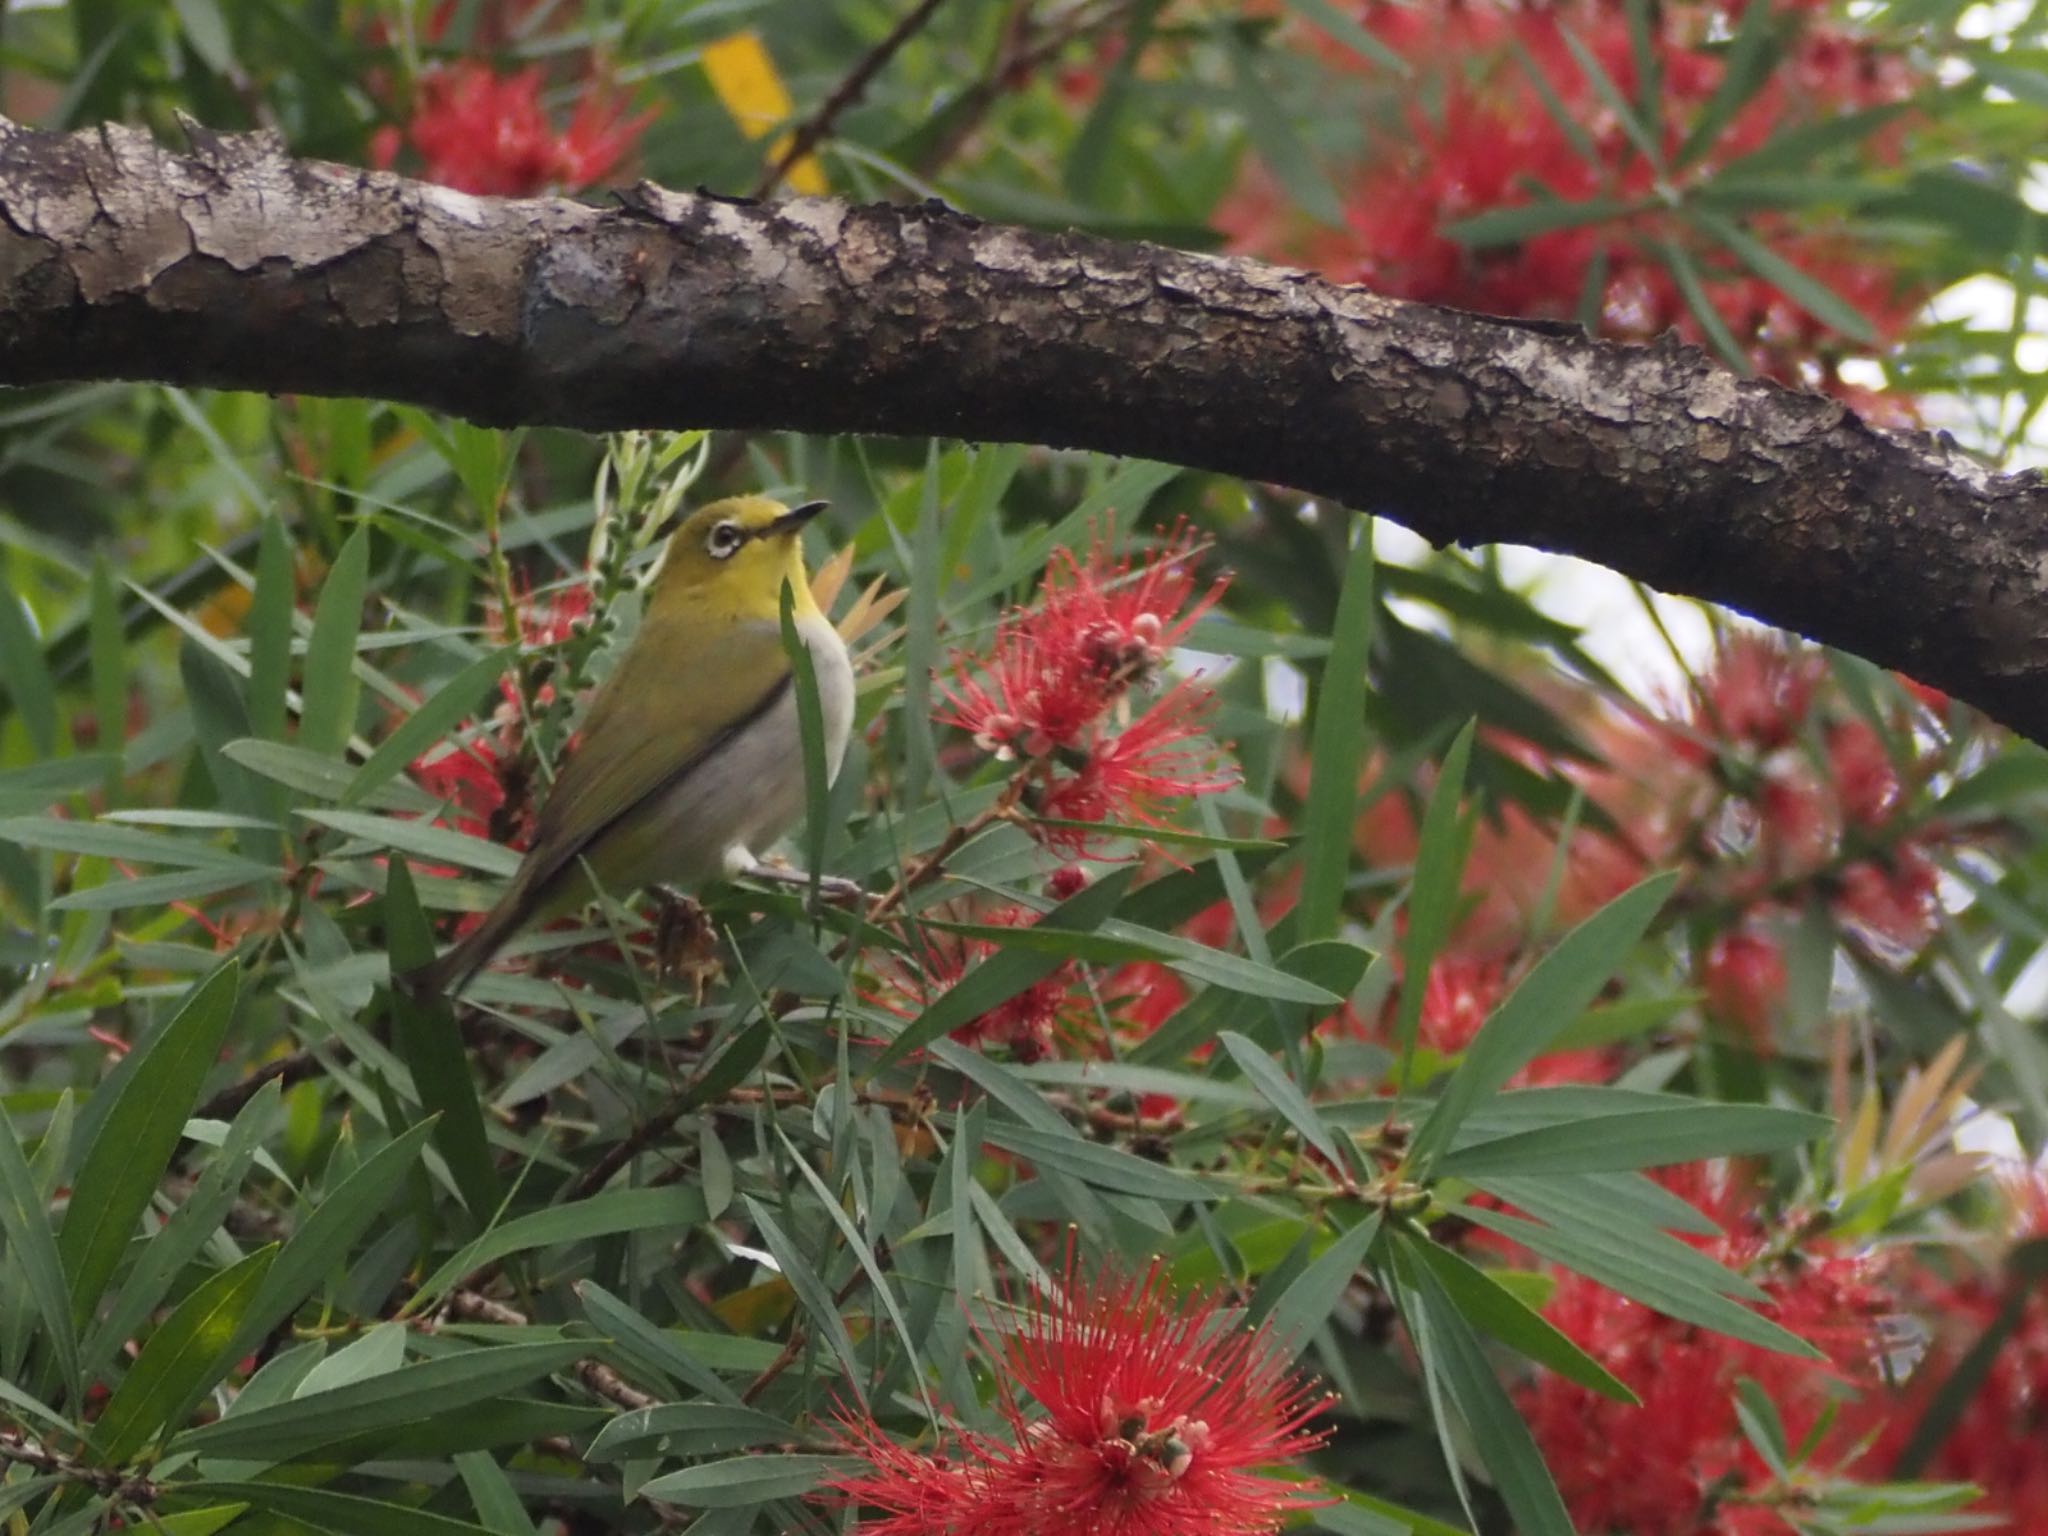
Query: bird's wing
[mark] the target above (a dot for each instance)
(673, 701)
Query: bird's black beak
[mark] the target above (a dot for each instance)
(796, 517)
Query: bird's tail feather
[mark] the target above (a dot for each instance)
(452, 970)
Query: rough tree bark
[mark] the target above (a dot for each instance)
(235, 266)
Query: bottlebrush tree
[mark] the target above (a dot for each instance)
(1318, 1049)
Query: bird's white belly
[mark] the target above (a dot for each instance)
(748, 792)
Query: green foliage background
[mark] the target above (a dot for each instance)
(301, 1254)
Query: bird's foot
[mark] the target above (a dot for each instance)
(836, 889)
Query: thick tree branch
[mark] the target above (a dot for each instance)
(237, 267)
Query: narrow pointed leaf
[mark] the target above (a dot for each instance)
(188, 1353)
(1554, 993)
(133, 1142)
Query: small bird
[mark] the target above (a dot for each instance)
(691, 754)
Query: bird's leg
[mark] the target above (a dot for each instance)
(740, 863)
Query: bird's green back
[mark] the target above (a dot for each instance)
(686, 678)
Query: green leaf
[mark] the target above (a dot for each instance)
(1638, 1270)
(1004, 974)
(336, 1514)
(1112, 506)
(1102, 1166)
(864, 1255)
(1453, 1356)
(1364, 1514)
(921, 636)
(1280, 148)
(124, 844)
(608, 1214)
(812, 1294)
(1745, 67)
(135, 1138)
(1512, 226)
(179, 1240)
(1168, 837)
(1280, 1091)
(491, 1491)
(327, 713)
(25, 1222)
(1433, 889)
(741, 1481)
(431, 723)
(687, 1429)
(324, 1238)
(1313, 1294)
(1345, 29)
(1103, 131)
(117, 893)
(1685, 274)
(1554, 993)
(426, 1037)
(324, 778)
(1112, 940)
(1337, 749)
(1945, 1406)
(206, 31)
(1488, 1305)
(421, 840)
(1639, 133)
(36, 785)
(658, 1352)
(270, 631)
(191, 1351)
(428, 1390)
(1683, 1133)
(26, 677)
(1801, 287)
(108, 653)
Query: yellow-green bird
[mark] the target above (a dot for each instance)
(691, 757)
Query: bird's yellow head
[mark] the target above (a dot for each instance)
(736, 554)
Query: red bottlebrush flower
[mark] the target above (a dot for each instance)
(1797, 826)
(1461, 990)
(1893, 898)
(479, 775)
(1503, 116)
(1660, 1468)
(1133, 776)
(1866, 783)
(482, 132)
(1996, 1439)
(1758, 692)
(1030, 1024)
(1744, 979)
(1101, 627)
(467, 779)
(1068, 880)
(918, 1493)
(1155, 1422)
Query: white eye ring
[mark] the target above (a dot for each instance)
(725, 538)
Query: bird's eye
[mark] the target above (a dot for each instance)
(725, 538)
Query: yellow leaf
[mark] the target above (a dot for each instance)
(753, 95)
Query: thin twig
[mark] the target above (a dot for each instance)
(285, 1071)
(594, 1374)
(795, 1343)
(849, 91)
